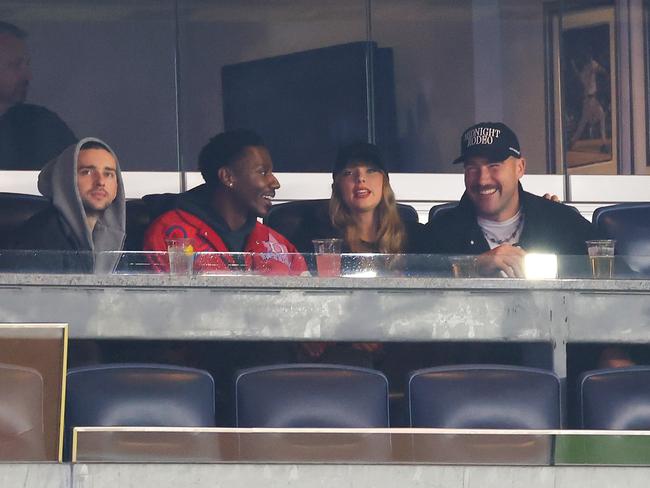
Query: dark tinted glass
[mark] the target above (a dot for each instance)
(106, 68)
(294, 71)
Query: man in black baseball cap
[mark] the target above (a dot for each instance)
(494, 140)
(493, 166)
(496, 218)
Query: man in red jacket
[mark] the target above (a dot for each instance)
(221, 215)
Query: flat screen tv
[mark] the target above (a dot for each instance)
(306, 104)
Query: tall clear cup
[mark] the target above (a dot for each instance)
(601, 256)
(328, 256)
(181, 256)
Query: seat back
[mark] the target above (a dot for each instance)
(22, 431)
(287, 218)
(147, 395)
(441, 209)
(617, 399)
(141, 212)
(629, 224)
(484, 397)
(15, 209)
(309, 395)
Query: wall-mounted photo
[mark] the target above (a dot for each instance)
(584, 91)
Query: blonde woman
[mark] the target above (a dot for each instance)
(362, 208)
(362, 212)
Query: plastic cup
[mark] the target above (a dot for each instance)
(328, 256)
(601, 256)
(463, 266)
(181, 256)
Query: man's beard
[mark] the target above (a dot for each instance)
(94, 212)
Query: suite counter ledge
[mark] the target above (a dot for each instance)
(309, 282)
(253, 308)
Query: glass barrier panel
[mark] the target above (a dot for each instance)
(363, 446)
(410, 75)
(103, 69)
(294, 72)
(429, 49)
(185, 262)
(349, 446)
(603, 448)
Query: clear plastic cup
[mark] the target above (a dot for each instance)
(463, 266)
(181, 256)
(601, 256)
(328, 256)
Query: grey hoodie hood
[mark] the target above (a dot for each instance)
(58, 182)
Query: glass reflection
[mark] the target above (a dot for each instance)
(363, 265)
(106, 69)
(295, 72)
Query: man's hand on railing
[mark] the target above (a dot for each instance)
(506, 258)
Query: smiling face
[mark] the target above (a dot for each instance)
(252, 182)
(15, 72)
(360, 186)
(96, 179)
(493, 186)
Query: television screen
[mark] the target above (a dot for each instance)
(306, 104)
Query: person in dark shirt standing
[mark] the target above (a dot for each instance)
(30, 135)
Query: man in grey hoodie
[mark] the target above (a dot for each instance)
(87, 216)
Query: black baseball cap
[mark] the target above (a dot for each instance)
(358, 152)
(492, 140)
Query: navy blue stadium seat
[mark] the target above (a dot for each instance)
(141, 212)
(15, 209)
(484, 397)
(629, 224)
(311, 395)
(615, 399)
(288, 217)
(131, 394)
(441, 209)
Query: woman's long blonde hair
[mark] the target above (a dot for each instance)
(391, 235)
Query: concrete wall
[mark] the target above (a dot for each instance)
(296, 475)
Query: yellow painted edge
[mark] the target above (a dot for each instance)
(63, 385)
(74, 445)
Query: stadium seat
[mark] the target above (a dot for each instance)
(311, 395)
(484, 397)
(22, 436)
(615, 399)
(629, 224)
(15, 209)
(441, 209)
(147, 395)
(141, 212)
(288, 217)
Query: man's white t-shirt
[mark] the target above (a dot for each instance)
(505, 232)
